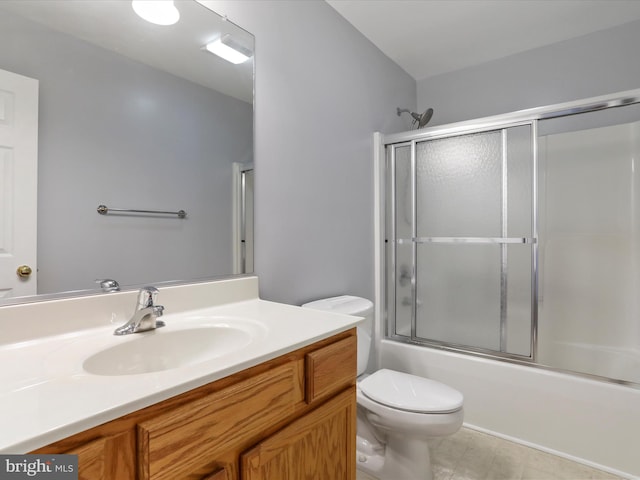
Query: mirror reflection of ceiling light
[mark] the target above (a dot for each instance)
(227, 48)
(160, 12)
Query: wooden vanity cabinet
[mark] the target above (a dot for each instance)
(293, 417)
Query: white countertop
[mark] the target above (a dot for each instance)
(46, 395)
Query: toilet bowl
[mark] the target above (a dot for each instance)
(397, 412)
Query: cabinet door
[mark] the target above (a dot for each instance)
(107, 458)
(320, 445)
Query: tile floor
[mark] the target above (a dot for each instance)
(471, 455)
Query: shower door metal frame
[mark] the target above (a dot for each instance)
(503, 241)
(497, 122)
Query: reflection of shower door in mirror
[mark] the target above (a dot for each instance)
(460, 221)
(243, 218)
(18, 183)
(247, 220)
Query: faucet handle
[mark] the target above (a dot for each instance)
(147, 297)
(108, 284)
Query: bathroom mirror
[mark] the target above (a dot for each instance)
(132, 116)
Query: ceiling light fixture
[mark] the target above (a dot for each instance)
(227, 48)
(160, 12)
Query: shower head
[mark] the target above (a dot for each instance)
(421, 119)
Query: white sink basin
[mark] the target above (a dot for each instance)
(166, 349)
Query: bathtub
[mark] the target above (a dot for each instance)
(583, 419)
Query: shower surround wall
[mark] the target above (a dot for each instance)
(590, 251)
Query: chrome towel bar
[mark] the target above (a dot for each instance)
(103, 210)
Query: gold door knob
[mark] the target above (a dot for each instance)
(24, 271)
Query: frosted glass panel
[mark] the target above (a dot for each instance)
(403, 298)
(404, 192)
(519, 168)
(473, 286)
(518, 299)
(458, 294)
(459, 184)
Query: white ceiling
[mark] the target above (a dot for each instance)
(430, 37)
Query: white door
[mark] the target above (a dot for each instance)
(18, 183)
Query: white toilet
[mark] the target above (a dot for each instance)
(397, 412)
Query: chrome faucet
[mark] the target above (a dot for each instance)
(146, 314)
(108, 285)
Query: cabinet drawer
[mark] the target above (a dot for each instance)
(331, 368)
(190, 438)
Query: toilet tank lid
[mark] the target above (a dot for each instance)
(346, 304)
(410, 392)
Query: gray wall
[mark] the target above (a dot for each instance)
(595, 64)
(116, 132)
(322, 89)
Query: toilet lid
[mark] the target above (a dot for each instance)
(410, 392)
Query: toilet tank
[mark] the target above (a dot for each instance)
(359, 307)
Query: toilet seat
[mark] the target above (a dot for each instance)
(410, 393)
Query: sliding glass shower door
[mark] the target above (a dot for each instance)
(461, 240)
